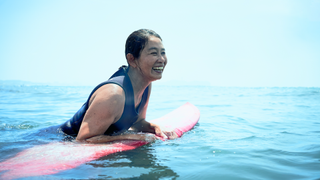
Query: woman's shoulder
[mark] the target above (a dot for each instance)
(109, 93)
(110, 90)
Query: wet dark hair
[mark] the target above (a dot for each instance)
(137, 41)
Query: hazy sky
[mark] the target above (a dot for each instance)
(219, 42)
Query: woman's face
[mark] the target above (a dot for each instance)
(153, 59)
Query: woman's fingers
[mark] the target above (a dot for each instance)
(150, 137)
(171, 134)
(160, 133)
(166, 133)
(163, 135)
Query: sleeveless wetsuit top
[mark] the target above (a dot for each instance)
(129, 115)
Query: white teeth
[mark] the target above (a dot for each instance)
(158, 68)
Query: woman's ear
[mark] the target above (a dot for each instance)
(131, 60)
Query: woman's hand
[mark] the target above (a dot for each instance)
(165, 132)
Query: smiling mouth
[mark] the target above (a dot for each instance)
(158, 68)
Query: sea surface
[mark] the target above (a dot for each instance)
(243, 132)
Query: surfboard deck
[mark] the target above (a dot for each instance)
(59, 156)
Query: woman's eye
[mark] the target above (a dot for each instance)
(154, 53)
(163, 53)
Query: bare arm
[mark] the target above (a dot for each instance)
(104, 138)
(105, 107)
(141, 125)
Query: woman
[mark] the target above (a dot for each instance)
(121, 102)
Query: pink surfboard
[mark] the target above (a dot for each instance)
(58, 156)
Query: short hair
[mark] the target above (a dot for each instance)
(137, 40)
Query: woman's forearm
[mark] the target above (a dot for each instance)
(144, 126)
(105, 138)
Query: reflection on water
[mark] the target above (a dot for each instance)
(141, 158)
(140, 163)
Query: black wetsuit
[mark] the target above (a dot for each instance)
(129, 115)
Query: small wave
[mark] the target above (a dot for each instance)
(245, 138)
(310, 93)
(291, 133)
(298, 92)
(294, 152)
(302, 106)
(23, 126)
(268, 109)
(258, 127)
(235, 118)
(215, 106)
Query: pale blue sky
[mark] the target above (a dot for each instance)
(219, 42)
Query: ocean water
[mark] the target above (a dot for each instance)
(243, 133)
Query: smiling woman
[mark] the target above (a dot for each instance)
(121, 102)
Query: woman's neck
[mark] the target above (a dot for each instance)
(139, 84)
